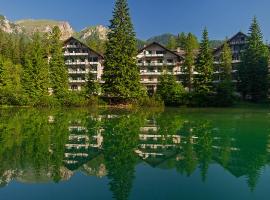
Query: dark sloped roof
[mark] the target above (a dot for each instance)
(232, 38)
(156, 43)
(72, 38)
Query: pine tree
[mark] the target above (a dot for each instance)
(204, 66)
(226, 62)
(181, 40)
(172, 43)
(253, 71)
(35, 70)
(121, 75)
(58, 72)
(92, 86)
(190, 47)
(225, 87)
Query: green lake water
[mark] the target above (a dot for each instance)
(140, 155)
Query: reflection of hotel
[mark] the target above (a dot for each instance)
(81, 146)
(155, 147)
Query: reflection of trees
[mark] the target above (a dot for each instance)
(32, 141)
(120, 141)
(29, 141)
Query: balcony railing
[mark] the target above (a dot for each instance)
(76, 72)
(149, 81)
(75, 54)
(72, 46)
(76, 81)
(157, 64)
(154, 55)
(76, 63)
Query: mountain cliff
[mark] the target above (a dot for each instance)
(99, 32)
(30, 26)
(9, 27)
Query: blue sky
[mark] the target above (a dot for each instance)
(150, 17)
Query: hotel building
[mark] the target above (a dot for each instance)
(153, 60)
(80, 60)
(237, 44)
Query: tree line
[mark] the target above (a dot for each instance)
(33, 71)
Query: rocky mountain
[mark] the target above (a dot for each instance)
(99, 32)
(31, 26)
(94, 34)
(9, 27)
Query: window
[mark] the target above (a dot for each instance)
(74, 87)
(160, 52)
(160, 61)
(169, 60)
(150, 69)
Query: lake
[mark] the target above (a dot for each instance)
(117, 154)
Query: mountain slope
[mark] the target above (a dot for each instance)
(9, 27)
(30, 26)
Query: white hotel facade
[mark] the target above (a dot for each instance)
(152, 60)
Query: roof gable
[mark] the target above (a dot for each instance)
(236, 36)
(86, 46)
(163, 47)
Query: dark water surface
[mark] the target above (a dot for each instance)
(140, 155)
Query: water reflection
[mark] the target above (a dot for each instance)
(38, 146)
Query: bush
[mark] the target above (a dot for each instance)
(225, 94)
(47, 101)
(12, 98)
(171, 92)
(151, 102)
(200, 99)
(74, 99)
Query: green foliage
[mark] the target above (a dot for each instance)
(225, 94)
(171, 92)
(226, 62)
(181, 40)
(190, 46)
(253, 71)
(47, 102)
(95, 43)
(204, 66)
(121, 75)
(172, 45)
(35, 80)
(162, 39)
(151, 102)
(57, 68)
(92, 86)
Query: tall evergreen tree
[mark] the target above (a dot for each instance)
(172, 43)
(121, 75)
(35, 70)
(204, 66)
(190, 46)
(181, 40)
(58, 71)
(92, 87)
(225, 86)
(253, 71)
(226, 62)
